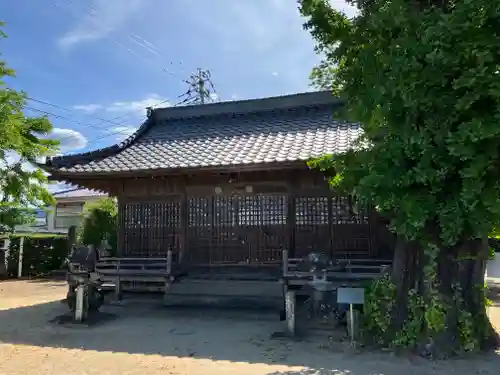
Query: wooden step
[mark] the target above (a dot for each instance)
(227, 288)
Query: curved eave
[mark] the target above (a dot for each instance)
(67, 161)
(68, 176)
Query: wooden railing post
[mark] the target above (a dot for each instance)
(118, 288)
(169, 262)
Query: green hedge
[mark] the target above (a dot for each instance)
(41, 255)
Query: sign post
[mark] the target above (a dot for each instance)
(351, 297)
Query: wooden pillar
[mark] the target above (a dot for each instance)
(331, 225)
(183, 236)
(291, 214)
(118, 284)
(120, 229)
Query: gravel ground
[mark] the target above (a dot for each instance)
(146, 339)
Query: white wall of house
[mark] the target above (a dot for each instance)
(66, 213)
(493, 267)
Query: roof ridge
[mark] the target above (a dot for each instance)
(274, 103)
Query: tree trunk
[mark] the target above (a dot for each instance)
(406, 275)
(460, 287)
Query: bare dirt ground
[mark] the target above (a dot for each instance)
(146, 339)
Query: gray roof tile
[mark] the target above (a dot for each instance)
(225, 139)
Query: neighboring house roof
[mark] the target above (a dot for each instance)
(77, 193)
(266, 131)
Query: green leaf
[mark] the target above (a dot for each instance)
(22, 184)
(424, 82)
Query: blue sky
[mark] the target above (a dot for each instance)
(102, 59)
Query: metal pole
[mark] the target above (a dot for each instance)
(201, 87)
(351, 313)
(20, 260)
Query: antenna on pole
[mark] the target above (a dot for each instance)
(201, 89)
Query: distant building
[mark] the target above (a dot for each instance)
(67, 212)
(54, 220)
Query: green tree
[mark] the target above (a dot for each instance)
(99, 223)
(423, 77)
(22, 183)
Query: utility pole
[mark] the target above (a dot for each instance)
(201, 89)
(201, 86)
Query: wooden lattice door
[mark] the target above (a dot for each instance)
(263, 219)
(229, 242)
(312, 232)
(150, 229)
(200, 229)
(236, 229)
(350, 228)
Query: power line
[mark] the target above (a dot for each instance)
(200, 89)
(185, 101)
(117, 124)
(198, 84)
(55, 5)
(203, 76)
(135, 38)
(106, 135)
(71, 111)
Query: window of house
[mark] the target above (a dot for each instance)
(40, 218)
(68, 214)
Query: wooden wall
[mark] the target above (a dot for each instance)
(240, 217)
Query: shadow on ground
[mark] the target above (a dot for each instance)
(218, 335)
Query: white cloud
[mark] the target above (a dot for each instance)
(102, 17)
(88, 108)
(214, 97)
(275, 74)
(71, 140)
(122, 107)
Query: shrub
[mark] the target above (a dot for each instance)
(41, 255)
(99, 223)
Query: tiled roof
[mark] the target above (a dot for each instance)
(77, 193)
(221, 137)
